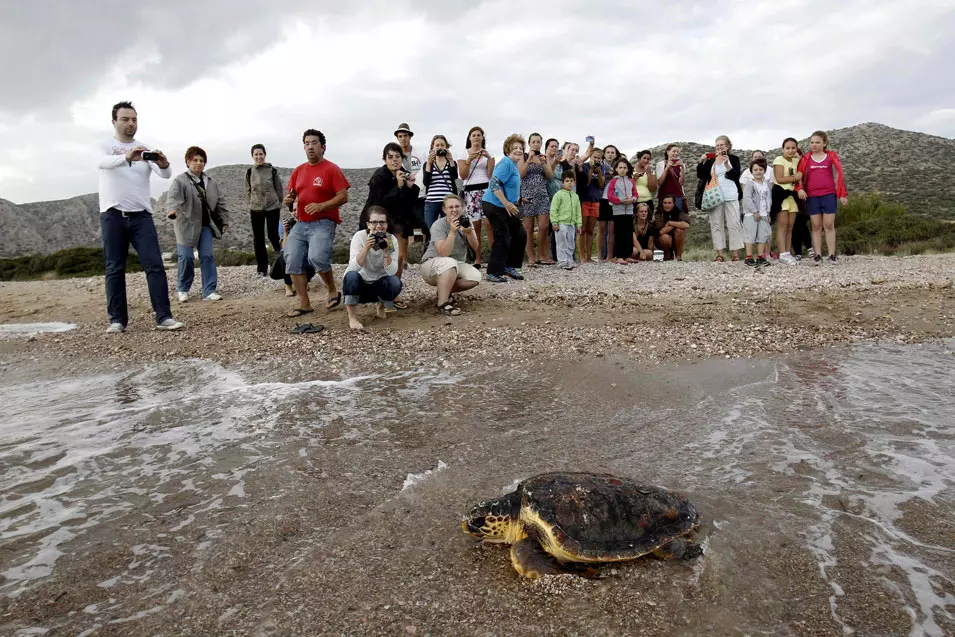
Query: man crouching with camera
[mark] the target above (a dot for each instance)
(372, 264)
(442, 264)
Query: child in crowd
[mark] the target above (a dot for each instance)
(757, 202)
(671, 224)
(590, 184)
(785, 208)
(565, 217)
(644, 234)
(622, 195)
(822, 182)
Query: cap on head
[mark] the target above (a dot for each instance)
(404, 128)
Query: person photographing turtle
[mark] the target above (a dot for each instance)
(443, 263)
(372, 268)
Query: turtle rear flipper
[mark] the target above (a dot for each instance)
(532, 561)
(679, 549)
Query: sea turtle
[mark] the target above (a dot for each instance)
(568, 522)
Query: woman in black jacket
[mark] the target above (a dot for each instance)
(394, 189)
(725, 217)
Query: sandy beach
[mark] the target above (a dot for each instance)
(235, 479)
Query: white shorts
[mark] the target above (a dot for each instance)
(436, 266)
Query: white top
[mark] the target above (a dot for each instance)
(413, 164)
(747, 176)
(374, 267)
(122, 186)
(477, 171)
(728, 186)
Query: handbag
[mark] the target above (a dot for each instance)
(712, 195)
(277, 270)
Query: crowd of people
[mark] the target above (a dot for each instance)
(635, 210)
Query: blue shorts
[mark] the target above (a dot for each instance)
(827, 204)
(310, 243)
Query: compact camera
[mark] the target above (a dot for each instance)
(381, 240)
(441, 152)
(149, 155)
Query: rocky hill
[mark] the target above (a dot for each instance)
(905, 166)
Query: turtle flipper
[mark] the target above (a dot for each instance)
(532, 561)
(679, 549)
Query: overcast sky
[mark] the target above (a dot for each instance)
(224, 74)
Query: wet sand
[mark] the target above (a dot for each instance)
(326, 521)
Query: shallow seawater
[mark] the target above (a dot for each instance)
(844, 459)
(8, 330)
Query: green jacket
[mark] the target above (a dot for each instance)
(565, 208)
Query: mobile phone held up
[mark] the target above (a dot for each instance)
(589, 139)
(149, 155)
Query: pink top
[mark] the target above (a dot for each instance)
(819, 181)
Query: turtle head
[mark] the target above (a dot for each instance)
(492, 519)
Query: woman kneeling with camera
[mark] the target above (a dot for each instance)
(442, 264)
(372, 264)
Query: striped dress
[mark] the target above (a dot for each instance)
(441, 182)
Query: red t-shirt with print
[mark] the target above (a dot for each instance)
(317, 184)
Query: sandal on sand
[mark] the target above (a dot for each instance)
(735, 258)
(307, 328)
(719, 259)
(401, 305)
(449, 310)
(333, 302)
(299, 312)
(547, 262)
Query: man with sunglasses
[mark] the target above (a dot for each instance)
(372, 265)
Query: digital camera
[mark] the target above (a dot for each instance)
(149, 155)
(441, 152)
(381, 240)
(464, 221)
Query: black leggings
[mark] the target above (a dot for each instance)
(509, 239)
(802, 238)
(270, 220)
(623, 236)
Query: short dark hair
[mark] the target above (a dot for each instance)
(760, 161)
(257, 147)
(671, 197)
(392, 147)
(569, 174)
(547, 143)
(314, 133)
(533, 135)
(644, 152)
(119, 105)
(193, 151)
(376, 210)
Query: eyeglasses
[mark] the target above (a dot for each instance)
(377, 223)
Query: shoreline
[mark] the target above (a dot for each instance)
(652, 312)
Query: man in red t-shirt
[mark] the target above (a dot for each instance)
(320, 187)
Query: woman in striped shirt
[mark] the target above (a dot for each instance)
(440, 178)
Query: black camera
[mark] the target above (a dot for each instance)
(465, 221)
(441, 152)
(381, 240)
(149, 155)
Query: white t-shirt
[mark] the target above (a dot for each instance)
(413, 164)
(477, 170)
(122, 186)
(374, 267)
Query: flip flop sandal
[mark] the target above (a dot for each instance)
(449, 310)
(307, 328)
(298, 312)
(719, 259)
(533, 265)
(735, 259)
(547, 263)
(401, 305)
(332, 303)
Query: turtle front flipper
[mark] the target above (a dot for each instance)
(679, 549)
(532, 561)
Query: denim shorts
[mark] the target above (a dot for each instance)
(827, 204)
(312, 240)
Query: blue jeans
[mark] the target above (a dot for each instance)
(433, 210)
(207, 264)
(357, 290)
(312, 240)
(138, 229)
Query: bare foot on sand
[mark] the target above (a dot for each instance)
(354, 323)
(380, 313)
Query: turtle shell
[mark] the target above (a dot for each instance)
(595, 517)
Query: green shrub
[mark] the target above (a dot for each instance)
(73, 262)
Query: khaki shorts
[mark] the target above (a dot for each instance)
(436, 266)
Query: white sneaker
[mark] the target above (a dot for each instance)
(170, 325)
(215, 296)
(115, 328)
(183, 297)
(788, 259)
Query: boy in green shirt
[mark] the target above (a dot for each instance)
(566, 219)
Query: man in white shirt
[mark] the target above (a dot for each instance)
(125, 205)
(372, 268)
